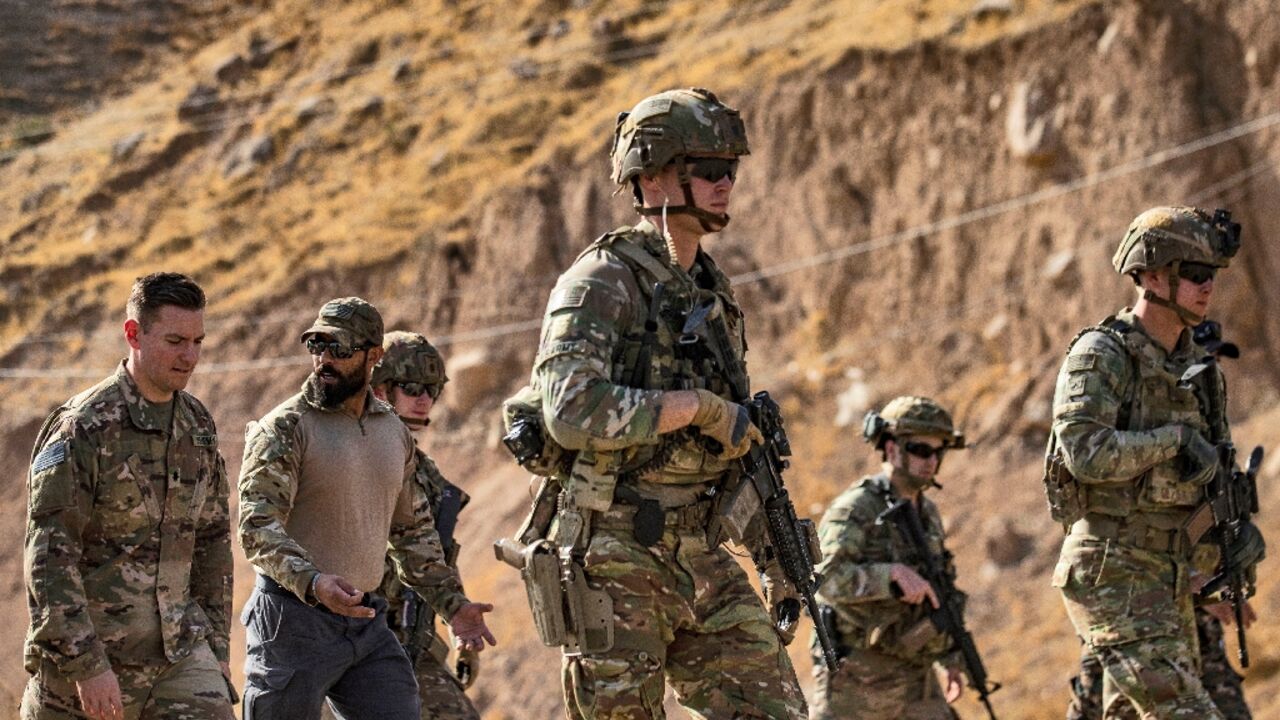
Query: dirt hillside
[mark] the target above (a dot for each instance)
(934, 191)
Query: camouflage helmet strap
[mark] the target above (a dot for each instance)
(1187, 317)
(710, 222)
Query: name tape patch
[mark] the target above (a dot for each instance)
(204, 440)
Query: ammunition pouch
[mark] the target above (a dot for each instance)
(592, 480)
(527, 438)
(915, 641)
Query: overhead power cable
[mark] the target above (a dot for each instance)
(1054, 191)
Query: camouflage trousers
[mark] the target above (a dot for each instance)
(684, 611)
(193, 688)
(1133, 609)
(873, 686)
(1216, 674)
(443, 697)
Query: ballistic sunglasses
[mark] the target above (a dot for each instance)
(1197, 273)
(337, 350)
(413, 389)
(924, 451)
(713, 169)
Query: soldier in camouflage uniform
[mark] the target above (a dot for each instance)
(128, 551)
(1126, 466)
(411, 377)
(1217, 675)
(873, 595)
(327, 492)
(652, 429)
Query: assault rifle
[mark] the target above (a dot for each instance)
(791, 538)
(794, 542)
(948, 617)
(1232, 497)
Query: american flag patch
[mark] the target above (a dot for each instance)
(51, 455)
(341, 311)
(569, 297)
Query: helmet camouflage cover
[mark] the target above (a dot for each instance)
(672, 124)
(1164, 235)
(911, 415)
(409, 358)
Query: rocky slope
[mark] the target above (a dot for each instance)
(930, 206)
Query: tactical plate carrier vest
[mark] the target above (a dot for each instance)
(686, 332)
(1151, 397)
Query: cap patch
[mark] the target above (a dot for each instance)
(337, 310)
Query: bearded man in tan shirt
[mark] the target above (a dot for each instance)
(326, 494)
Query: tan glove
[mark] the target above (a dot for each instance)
(727, 423)
(783, 602)
(467, 667)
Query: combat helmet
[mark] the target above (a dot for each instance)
(409, 358)
(911, 415)
(667, 128)
(1171, 236)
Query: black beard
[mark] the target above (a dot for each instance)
(331, 396)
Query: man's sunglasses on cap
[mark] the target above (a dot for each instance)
(924, 451)
(713, 169)
(413, 389)
(1197, 273)
(337, 350)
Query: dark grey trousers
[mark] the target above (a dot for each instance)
(298, 655)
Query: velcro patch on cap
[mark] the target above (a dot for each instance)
(53, 454)
(571, 296)
(1081, 362)
(337, 310)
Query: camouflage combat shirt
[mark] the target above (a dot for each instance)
(128, 550)
(857, 554)
(592, 334)
(1132, 468)
(283, 480)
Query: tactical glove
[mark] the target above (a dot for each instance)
(467, 667)
(727, 423)
(1248, 549)
(1198, 457)
(783, 602)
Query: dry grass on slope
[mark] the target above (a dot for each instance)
(353, 133)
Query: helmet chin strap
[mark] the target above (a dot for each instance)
(710, 222)
(415, 423)
(1187, 317)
